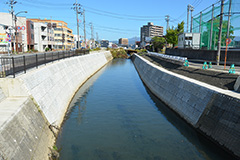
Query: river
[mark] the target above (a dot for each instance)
(114, 116)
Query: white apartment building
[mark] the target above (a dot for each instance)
(6, 20)
(43, 37)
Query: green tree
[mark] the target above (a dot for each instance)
(158, 43)
(172, 34)
(180, 28)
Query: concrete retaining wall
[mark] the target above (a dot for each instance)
(34, 101)
(212, 111)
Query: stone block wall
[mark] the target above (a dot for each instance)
(210, 110)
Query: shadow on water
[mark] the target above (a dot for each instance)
(207, 148)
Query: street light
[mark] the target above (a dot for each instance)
(16, 28)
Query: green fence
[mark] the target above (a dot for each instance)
(207, 23)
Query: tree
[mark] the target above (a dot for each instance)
(180, 28)
(158, 42)
(172, 34)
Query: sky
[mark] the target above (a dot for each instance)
(111, 19)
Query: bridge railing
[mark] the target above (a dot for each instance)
(11, 65)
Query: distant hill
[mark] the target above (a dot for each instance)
(133, 39)
(130, 40)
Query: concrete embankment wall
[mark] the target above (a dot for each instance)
(31, 103)
(212, 111)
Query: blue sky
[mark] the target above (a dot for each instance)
(111, 19)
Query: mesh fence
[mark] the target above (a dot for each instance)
(207, 23)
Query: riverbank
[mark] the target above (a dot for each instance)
(33, 105)
(215, 78)
(211, 110)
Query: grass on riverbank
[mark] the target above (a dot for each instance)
(119, 53)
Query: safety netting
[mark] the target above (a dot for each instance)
(207, 23)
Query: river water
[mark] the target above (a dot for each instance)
(115, 117)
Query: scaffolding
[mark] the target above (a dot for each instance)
(207, 24)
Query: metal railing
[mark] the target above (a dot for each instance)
(11, 65)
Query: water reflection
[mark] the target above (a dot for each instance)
(113, 116)
(208, 149)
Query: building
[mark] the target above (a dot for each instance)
(41, 33)
(30, 35)
(59, 35)
(123, 42)
(149, 31)
(189, 40)
(104, 43)
(76, 41)
(8, 40)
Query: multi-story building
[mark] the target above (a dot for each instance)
(59, 36)
(40, 38)
(104, 43)
(8, 29)
(123, 42)
(30, 35)
(149, 31)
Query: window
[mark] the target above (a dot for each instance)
(57, 35)
(58, 29)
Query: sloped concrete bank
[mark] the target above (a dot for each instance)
(33, 105)
(212, 111)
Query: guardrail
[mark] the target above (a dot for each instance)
(11, 65)
(170, 57)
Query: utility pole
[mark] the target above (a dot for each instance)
(229, 17)
(211, 32)
(77, 8)
(220, 33)
(97, 39)
(11, 4)
(191, 27)
(84, 23)
(188, 7)
(16, 38)
(167, 19)
(92, 34)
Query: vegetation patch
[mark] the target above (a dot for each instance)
(119, 53)
(96, 49)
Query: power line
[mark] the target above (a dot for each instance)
(47, 4)
(122, 14)
(118, 17)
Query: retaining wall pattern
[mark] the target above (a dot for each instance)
(43, 96)
(205, 107)
(26, 135)
(53, 87)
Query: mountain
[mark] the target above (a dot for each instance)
(133, 40)
(130, 40)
